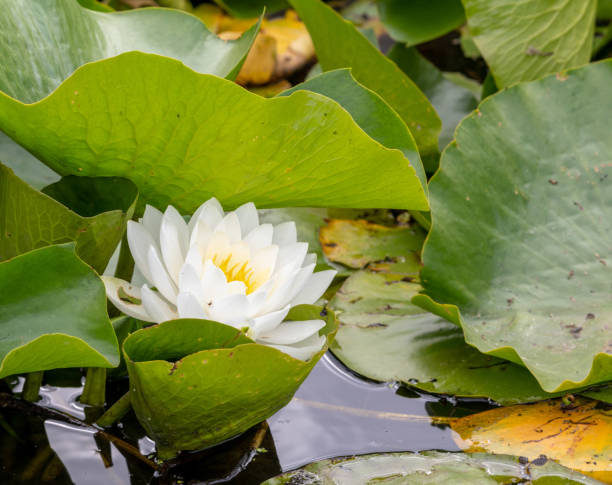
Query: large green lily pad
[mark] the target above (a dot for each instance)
(339, 44)
(251, 8)
(368, 110)
(195, 383)
(431, 467)
(42, 42)
(183, 137)
(522, 217)
(384, 337)
(415, 21)
(53, 314)
(525, 40)
(90, 211)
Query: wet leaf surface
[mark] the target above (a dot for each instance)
(575, 434)
(56, 319)
(430, 467)
(519, 241)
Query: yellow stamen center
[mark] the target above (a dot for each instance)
(237, 272)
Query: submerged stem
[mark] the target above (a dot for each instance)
(94, 392)
(31, 387)
(116, 411)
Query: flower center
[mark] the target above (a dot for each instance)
(237, 271)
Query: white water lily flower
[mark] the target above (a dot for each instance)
(224, 267)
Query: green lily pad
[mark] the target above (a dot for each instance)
(195, 383)
(452, 101)
(183, 137)
(527, 40)
(384, 337)
(431, 467)
(522, 214)
(339, 44)
(27, 167)
(53, 314)
(90, 211)
(42, 42)
(355, 243)
(251, 8)
(415, 21)
(368, 110)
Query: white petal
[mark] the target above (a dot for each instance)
(248, 217)
(195, 260)
(113, 285)
(140, 240)
(230, 225)
(174, 241)
(288, 333)
(190, 282)
(263, 263)
(260, 237)
(302, 351)
(311, 258)
(230, 310)
(210, 212)
(159, 276)
(189, 307)
(292, 254)
(200, 236)
(297, 285)
(213, 282)
(285, 233)
(159, 310)
(267, 322)
(151, 220)
(236, 288)
(315, 287)
(281, 288)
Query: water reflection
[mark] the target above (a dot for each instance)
(334, 413)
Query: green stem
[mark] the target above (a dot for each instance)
(125, 263)
(31, 387)
(116, 411)
(94, 392)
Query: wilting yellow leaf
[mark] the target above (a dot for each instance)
(356, 243)
(282, 46)
(578, 436)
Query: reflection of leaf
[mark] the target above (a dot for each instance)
(368, 110)
(357, 243)
(384, 337)
(24, 165)
(416, 21)
(53, 314)
(183, 137)
(339, 44)
(577, 436)
(430, 467)
(525, 40)
(452, 101)
(222, 382)
(55, 37)
(90, 211)
(522, 213)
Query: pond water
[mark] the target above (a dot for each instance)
(334, 413)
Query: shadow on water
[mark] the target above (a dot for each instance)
(334, 413)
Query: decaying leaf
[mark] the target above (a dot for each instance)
(356, 243)
(282, 46)
(575, 434)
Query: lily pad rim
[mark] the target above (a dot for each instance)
(298, 94)
(275, 353)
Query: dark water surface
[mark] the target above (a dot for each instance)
(334, 413)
